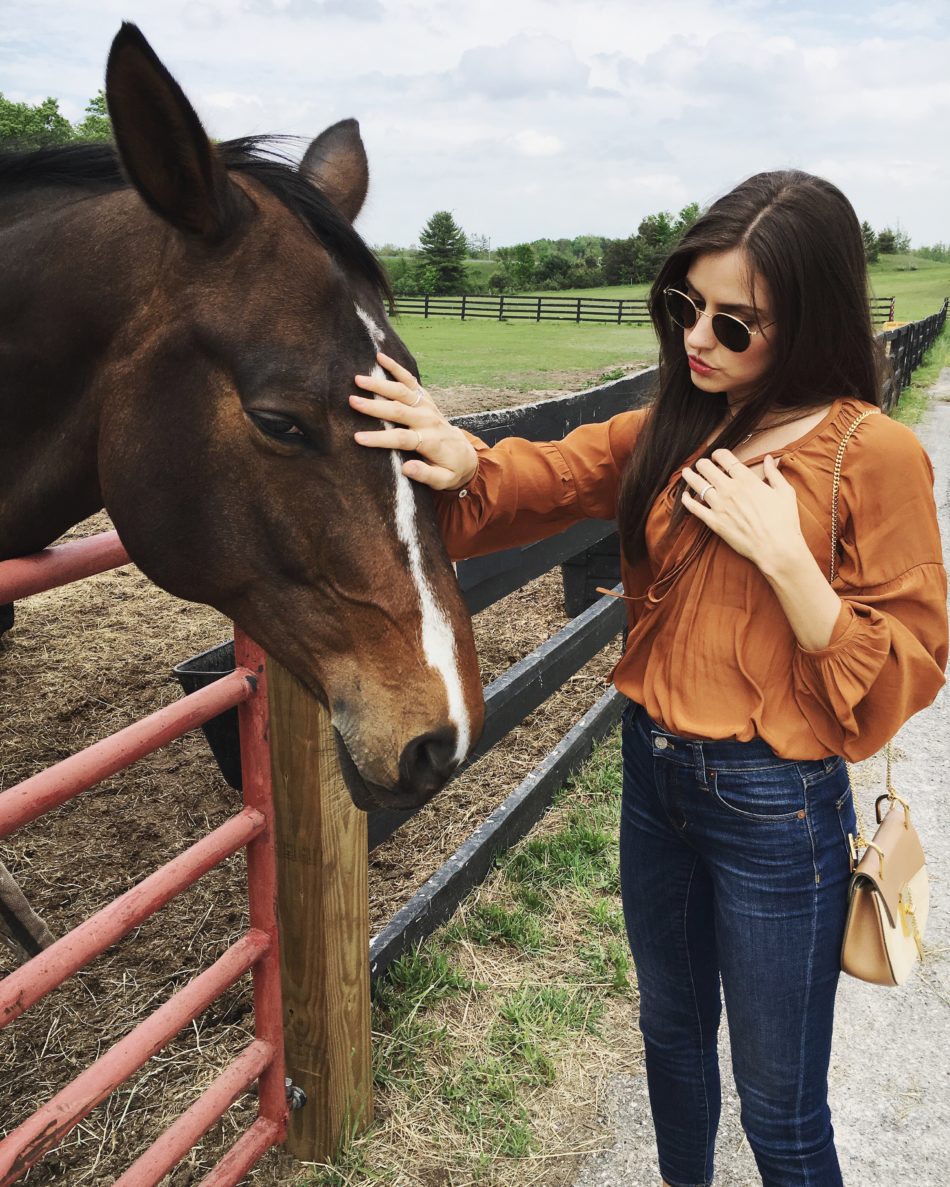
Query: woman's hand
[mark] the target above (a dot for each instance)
(756, 517)
(417, 426)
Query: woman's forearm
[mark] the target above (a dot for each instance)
(810, 604)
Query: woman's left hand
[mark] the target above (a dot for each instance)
(757, 517)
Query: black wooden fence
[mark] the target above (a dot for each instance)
(905, 346)
(629, 311)
(588, 554)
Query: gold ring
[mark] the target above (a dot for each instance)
(418, 444)
(419, 394)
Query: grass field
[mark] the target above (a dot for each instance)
(521, 355)
(526, 355)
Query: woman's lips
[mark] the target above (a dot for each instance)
(698, 366)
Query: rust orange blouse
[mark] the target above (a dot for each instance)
(711, 653)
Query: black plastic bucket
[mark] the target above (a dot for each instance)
(221, 731)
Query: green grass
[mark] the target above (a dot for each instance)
(914, 399)
(492, 923)
(521, 355)
(919, 285)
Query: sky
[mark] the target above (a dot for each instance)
(546, 118)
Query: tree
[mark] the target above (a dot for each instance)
(26, 126)
(523, 266)
(657, 233)
(685, 219)
(96, 125)
(517, 265)
(871, 250)
(621, 261)
(887, 242)
(554, 271)
(23, 126)
(442, 252)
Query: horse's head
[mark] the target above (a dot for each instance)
(227, 458)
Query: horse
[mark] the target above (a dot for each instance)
(180, 323)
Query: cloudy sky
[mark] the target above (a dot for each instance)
(531, 118)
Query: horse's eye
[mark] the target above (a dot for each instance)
(281, 427)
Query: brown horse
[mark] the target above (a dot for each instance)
(180, 323)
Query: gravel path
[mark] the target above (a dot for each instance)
(890, 1074)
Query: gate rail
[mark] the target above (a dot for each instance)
(256, 951)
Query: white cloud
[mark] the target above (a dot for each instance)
(547, 117)
(535, 144)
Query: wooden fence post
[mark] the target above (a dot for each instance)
(323, 900)
(501, 307)
(463, 318)
(426, 306)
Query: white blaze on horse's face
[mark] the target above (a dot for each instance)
(438, 640)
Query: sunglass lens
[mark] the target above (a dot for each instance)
(731, 332)
(680, 308)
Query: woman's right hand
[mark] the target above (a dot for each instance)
(447, 459)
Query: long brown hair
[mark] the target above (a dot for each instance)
(802, 238)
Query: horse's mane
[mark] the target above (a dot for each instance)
(95, 168)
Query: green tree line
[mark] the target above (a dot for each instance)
(441, 264)
(43, 125)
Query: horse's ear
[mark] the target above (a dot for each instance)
(163, 147)
(336, 164)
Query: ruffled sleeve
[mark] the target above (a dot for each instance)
(888, 651)
(526, 490)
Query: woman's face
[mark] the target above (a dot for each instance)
(723, 282)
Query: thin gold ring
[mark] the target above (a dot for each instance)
(418, 445)
(419, 394)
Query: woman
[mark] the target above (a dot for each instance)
(751, 678)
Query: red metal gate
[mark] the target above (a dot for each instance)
(257, 950)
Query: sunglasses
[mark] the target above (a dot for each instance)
(732, 333)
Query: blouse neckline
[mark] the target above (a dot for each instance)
(830, 416)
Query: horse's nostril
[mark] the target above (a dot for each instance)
(427, 762)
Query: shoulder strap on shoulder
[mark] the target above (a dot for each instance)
(837, 483)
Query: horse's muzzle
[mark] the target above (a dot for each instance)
(425, 766)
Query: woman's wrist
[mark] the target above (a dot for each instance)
(465, 481)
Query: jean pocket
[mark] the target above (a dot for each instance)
(768, 794)
(815, 770)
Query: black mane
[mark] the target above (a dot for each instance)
(96, 168)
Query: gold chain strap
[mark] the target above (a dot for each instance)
(862, 839)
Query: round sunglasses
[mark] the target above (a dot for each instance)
(732, 333)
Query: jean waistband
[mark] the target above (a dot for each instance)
(715, 752)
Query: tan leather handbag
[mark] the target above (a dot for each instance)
(888, 893)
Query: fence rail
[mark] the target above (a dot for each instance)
(625, 311)
(257, 951)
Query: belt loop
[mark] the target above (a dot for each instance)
(698, 761)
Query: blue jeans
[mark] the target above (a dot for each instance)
(734, 865)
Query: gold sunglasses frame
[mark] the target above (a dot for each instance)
(712, 317)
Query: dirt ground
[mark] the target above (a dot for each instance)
(86, 660)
